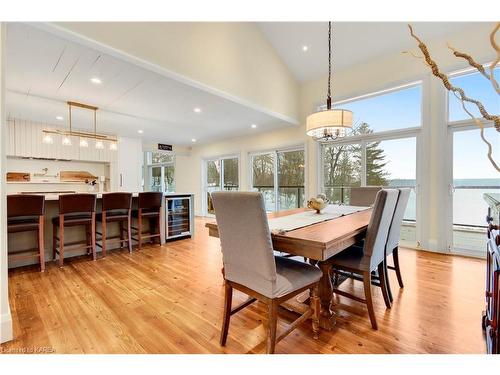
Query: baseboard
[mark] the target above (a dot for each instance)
(6, 333)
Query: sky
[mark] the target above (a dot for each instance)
(402, 109)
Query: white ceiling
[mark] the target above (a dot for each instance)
(352, 42)
(44, 71)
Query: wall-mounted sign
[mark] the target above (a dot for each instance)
(164, 147)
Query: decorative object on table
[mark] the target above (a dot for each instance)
(76, 176)
(18, 177)
(459, 93)
(329, 124)
(84, 136)
(318, 203)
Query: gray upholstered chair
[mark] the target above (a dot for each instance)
(393, 238)
(251, 267)
(359, 262)
(363, 196)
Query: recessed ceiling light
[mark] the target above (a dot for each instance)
(197, 110)
(193, 140)
(305, 48)
(60, 118)
(95, 80)
(140, 131)
(253, 126)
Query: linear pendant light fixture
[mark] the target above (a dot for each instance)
(330, 124)
(84, 136)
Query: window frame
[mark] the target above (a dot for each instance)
(204, 162)
(149, 168)
(402, 133)
(300, 147)
(453, 127)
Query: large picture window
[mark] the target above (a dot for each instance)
(279, 176)
(161, 168)
(380, 151)
(473, 175)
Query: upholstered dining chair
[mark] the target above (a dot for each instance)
(251, 267)
(359, 262)
(363, 196)
(393, 239)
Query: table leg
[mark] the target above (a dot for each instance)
(327, 316)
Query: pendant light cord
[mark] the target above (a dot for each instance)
(329, 94)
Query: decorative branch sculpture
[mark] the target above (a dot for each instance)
(459, 93)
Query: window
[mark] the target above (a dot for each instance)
(369, 157)
(160, 170)
(473, 175)
(279, 176)
(475, 86)
(394, 109)
(220, 174)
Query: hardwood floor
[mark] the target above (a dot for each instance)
(169, 299)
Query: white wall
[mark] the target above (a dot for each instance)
(232, 59)
(364, 78)
(5, 316)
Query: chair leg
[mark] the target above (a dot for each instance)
(87, 238)
(159, 230)
(383, 284)
(129, 233)
(92, 236)
(367, 281)
(103, 237)
(41, 244)
(122, 237)
(139, 232)
(316, 307)
(228, 298)
(395, 256)
(54, 242)
(61, 243)
(387, 281)
(272, 326)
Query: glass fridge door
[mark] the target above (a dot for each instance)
(178, 219)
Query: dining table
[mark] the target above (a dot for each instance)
(317, 242)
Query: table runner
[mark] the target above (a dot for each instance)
(303, 219)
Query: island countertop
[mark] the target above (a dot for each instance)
(54, 196)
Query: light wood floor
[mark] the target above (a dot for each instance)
(169, 300)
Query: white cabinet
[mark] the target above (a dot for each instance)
(126, 170)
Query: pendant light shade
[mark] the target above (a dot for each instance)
(328, 124)
(332, 123)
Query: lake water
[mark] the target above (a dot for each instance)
(469, 207)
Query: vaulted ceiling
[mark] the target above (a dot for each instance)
(352, 42)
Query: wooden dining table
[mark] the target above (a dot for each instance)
(318, 242)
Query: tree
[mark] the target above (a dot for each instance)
(343, 165)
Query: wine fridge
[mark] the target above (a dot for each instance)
(179, 216)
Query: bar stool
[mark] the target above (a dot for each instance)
(74, 210)
(149, 207)
(26, 213)
(116, 208)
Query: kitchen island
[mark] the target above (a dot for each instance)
(27, 240)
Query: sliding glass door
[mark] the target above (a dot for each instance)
(219, 174)
(279, 176)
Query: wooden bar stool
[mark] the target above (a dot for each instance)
(116, 208)
(26, 213)
(149, 207)
(74, 210)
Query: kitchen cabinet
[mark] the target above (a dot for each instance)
(126, 170)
